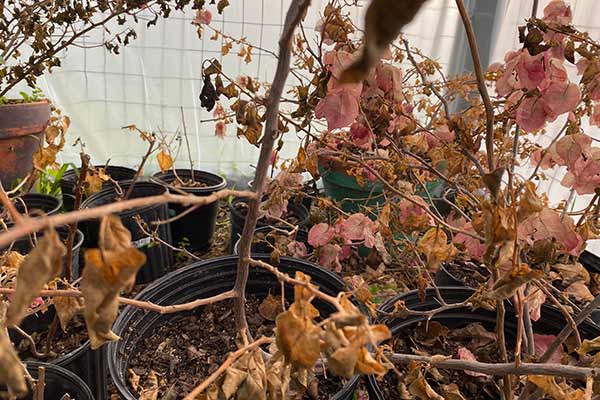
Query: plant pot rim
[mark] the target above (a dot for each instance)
(71, 174)
(111, 190)
(155, 293)
(168, 177)
(62, 373)
(15, 123)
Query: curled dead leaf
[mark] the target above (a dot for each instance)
(507, 286)
(108, 270)
(554, 390)
(165, 161)
(434, 245)
(40, 266)
(11, 372)
(67, 308)
(270, 307)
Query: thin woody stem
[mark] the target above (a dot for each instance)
(294, 15)
(32, 225)
(487, 102)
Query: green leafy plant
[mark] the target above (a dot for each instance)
(49, 180)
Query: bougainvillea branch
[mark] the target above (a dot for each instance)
(294, 15)
(36, 224)
(489, 109)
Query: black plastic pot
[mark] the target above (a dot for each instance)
(58, 382)
(590, 261)
(34, 203)
(25, 245)
(552, 320)
(443, 277)
(263, 248)
(237, 218)
(198, 227)
(87, 364)
(69, 181)
(159, 256)
(199, 280)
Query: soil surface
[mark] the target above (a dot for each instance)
(470, 274)
(61, 344)
(190, 347)
(439, 339)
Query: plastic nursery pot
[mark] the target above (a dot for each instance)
(58, 382)
(69, 181)
(199, 280)
(159, 257)
(444, 278)
(22, 127)
(346, 190)
(552, 320)
(25, 245)
(87, 364)
(591, 263)
(237, 218)
(264, 248)
(35, 203)
(197, 228)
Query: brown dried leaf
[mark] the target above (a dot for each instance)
(151, 391)
(579, 291)
(93, 183)
(41, 265)
(507, 286)
(419, 387)
(529, 202)
(297, 338)
(11, 372)
(67, 308)
(278, 377)
(108, 270)
(555, 391)
(452, 392)
(165, 161)
(434, 244)
(253, 384)
(571, 273)
(588, 346)
(270, 307)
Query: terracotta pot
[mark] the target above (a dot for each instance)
(22, 128)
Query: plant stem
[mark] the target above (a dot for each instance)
(140, 169)
(187, 143)
(500, 369)
(85, 159)
(294, 15)
(41, 383)
(489, 110)
(31, 225)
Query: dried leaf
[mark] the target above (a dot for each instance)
(11, 373)
(434, 244)
(589, 346)
(297, 338)
(466, 354)
(452, 392)
(419, 387)
(270, 307)
(297, 335)
(529, 202)
(555, 391)
(165, 161)
(150, 392)
(580, 292)
(246, 379)
(507, 286)
(108, 270)
(67, 308)
(278, 377)
(40, 266)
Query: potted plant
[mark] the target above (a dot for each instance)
(32, 47)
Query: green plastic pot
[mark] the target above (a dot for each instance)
(345, 190)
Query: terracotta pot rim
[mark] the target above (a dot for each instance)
(24, 119)
(19, 104)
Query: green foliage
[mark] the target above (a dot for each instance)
(180, 256)
(36, 95)
(49, 181)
